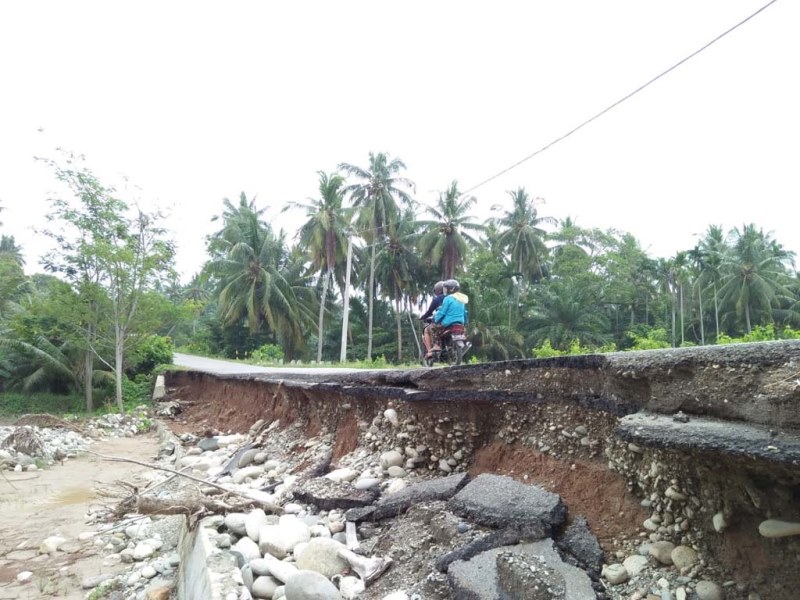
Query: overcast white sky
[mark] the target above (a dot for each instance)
(197, 101)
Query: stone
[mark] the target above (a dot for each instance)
(279, 540)
(391, 459)
(662, 551)
(310, 585)
(24, 576)
(242, 475)
(367, 483)
(235, 522)
(775, 528)
(264, 586)
(635, 564)
(328, 494)
(247, 458)
(719, 522)
(51, 544)
(247, 548)
(143, 550)
(255, 520)
(148, 572)
(708, 590)
(395, 471)
(441, 488)
(351, 587)
(161, 592)
(683, 557)
(615, 574)
(208, 444)
(390, 415)
(281, 570)
(321, 555)
(342, 475)
(88, 583)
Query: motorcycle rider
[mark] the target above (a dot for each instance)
(431, 329)
(453, 311)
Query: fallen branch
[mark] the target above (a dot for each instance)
(265, 505)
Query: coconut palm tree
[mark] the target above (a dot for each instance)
(756, 275)
(397, 267)
(710, 255)
(324, 236)
(375, 194)
(446, 238)
(248, 267)
(522, 236)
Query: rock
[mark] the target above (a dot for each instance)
(254, 521)
(396, 471)
(247, 548)
(281, 570)
(683, 557)
(367, 483)
(615, 574)
(208, 444)
(391, 459)
(236, 522)
(441, 488)
(321, 555)
(143, 550)
(662, 552)
(247, 458)
(635, 564)
(350, 587)
(24, 576)
(161, 592)
(390, 415)
(264, 586)
(88, 583)
(242, 475)
(51, 544)
(279, 540)
(148, 572)
(774, 528)
(309, 585)
(719, 522)
(708, 590)
(498, 501)
(675, 495)
(342, 475)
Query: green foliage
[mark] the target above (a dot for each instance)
(654, 339)
(575, 348)
(138, 390)
(269, 353)
(761, 333)
(13, 403)
(153, 350)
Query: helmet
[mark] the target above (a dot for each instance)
(451, 285)
(438, 287)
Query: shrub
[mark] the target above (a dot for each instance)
(654, 339)
(268, 353)
(152, 351)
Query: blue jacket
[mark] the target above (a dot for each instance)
(453, 310)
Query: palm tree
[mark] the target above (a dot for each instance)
(324, 236)
(710, 255)
(522, 236)
(564, 314)
(756, 275)
(445, 240)
(376, 194)
(397, 266)
(248, 267)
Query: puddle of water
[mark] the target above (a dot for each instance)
(73, 496)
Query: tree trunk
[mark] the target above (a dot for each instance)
(88, 375)
(702, 328)
(118, 341)
(399, 332)
(322, 313)
(747, 318)
(371, 293)
(716, 309)
(680, 290)
(346, 301)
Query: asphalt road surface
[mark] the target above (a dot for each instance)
(225, 367)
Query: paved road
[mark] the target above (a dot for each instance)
(225, 367)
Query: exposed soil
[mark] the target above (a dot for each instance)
(587, 488)
(55, 501)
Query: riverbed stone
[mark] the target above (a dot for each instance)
(321, 555)
(310, 585)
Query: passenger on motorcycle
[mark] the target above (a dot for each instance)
(452, 314)
(431, 329)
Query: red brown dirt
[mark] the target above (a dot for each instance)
(589, 489)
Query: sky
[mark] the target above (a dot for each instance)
(193, 102)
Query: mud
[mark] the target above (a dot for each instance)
(55, 501)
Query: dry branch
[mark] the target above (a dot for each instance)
(200, 501)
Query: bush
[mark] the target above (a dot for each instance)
(152, 351)
(138, 390)
(654, 339)
(761, 333)
(268, 353)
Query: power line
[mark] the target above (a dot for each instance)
(620, 101)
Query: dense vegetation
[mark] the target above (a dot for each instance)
(109, 306)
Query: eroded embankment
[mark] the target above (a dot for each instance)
(646, 446)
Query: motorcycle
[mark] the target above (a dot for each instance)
(454, 345)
